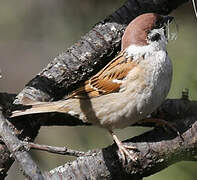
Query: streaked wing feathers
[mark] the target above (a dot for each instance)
(108, 80)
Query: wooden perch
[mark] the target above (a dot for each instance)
(9, 141)
(157, 149)
(14, 145)
(52, 149)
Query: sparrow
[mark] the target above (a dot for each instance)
(128, 88)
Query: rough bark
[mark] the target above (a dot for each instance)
(24, 130)
(29, 167)
(157, 149)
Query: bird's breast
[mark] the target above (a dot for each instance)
(157, 80)
(144, 89)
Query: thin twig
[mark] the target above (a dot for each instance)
(53, 149)
(0, 74)
(194, 5)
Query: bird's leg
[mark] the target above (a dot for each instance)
(124, 149)
(162, 123)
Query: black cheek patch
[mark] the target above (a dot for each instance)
(155, 37)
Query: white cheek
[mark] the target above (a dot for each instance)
(136, 52)
(160, 44)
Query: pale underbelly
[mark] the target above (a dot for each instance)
(121, 110)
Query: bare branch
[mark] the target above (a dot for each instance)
(194, 6)
(14, 145)
(157, 150)
(53, 149)
(23, 129)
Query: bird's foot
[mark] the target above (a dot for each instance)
(125, 150)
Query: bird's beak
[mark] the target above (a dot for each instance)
(167, 19)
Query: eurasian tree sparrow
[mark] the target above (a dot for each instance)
(128, 88)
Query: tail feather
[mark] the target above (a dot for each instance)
(42, 107)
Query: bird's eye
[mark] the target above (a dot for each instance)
(155, 37)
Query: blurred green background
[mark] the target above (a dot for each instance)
(33, 32)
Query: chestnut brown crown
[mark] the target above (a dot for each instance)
(137, 31)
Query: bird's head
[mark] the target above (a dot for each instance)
(146, 29)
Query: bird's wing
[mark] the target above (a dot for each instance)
(108, 80)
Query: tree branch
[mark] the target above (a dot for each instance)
(52, 149)
(157, 149)
(23, 130)
(14, 145)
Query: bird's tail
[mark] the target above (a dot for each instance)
(42, 107)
